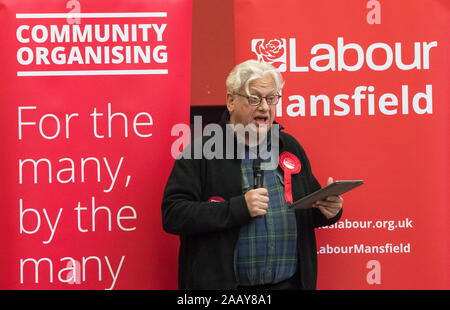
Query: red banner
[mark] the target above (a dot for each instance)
(367, 96)
(89, 92)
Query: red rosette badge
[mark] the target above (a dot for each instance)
(215, 199)
(290, 164)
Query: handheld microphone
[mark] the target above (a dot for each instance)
(258, 174)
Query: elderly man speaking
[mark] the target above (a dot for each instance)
(236, 228)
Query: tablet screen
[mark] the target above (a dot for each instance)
(334, 189)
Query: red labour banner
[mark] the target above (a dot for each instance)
(89, 92)
(367, 96)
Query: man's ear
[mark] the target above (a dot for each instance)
(230, 102)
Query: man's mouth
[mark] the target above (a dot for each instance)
(261, 120)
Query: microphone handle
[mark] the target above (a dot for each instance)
(258, 179)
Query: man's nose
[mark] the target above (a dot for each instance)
(263, 105)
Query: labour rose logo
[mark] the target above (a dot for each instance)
(272, 52)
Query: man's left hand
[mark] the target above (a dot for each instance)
(331, 206)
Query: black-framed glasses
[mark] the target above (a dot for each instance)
(256, 100)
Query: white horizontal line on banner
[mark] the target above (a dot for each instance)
(91, 72)
(90, 15)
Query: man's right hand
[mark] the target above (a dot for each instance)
(257, 201)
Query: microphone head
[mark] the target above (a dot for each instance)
(257, 164)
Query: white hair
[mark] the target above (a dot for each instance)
(246, 72)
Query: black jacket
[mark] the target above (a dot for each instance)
(209, 230)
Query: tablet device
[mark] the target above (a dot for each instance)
(334, 189)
